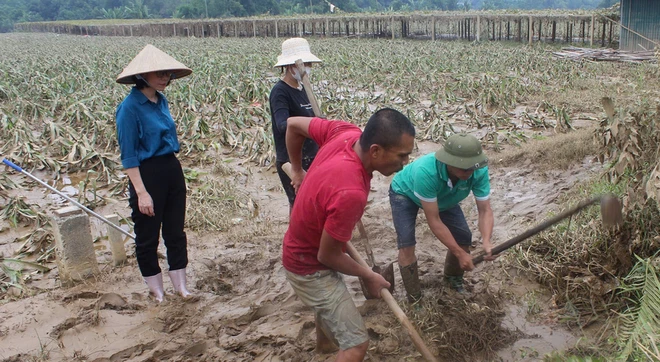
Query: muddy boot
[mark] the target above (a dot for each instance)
(178, 278)
(453, 271)
(155, 284)
(410, 277)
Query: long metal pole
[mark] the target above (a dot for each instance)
(85, 209)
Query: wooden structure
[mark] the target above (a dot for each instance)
(585, 29)
(640, 25)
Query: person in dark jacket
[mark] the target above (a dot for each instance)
(288, 99)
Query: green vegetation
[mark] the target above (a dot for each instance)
(13, 11)
(58, 98)
(599, 274)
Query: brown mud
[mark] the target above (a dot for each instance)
(244, 309)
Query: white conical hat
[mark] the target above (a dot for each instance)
(294, 49)
(152, 59)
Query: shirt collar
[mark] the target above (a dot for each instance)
(443, 174)
(442, 171)
(141, 97)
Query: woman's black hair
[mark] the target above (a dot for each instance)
(140, 83)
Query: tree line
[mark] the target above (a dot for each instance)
(12, 11)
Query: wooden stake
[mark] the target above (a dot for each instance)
(433, 28)
(478, 28)
(591, 32)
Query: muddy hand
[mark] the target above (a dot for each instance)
(465, 261)
(146, 204)
(297, 178)
(489, 254)
(375, 283)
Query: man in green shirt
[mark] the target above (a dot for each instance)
(436, 183)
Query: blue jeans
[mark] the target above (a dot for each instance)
(404, 215)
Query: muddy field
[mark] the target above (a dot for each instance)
(244, 309)
(534, 114)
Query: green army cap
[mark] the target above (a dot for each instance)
(462, 151)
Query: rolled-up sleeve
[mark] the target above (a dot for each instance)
(128, 137)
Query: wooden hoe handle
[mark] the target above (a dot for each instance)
(391, 302)
(308, 88)
(384, 293)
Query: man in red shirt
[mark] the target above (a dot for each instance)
(329, 202)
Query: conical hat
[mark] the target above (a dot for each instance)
(152, 59)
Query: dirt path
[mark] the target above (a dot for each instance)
(244, 309)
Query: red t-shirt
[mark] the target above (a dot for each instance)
(332, 197)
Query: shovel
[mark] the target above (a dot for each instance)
(387, 272)
(385, 293)
(610, 211)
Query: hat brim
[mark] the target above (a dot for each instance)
(130, 78)
(288, 60)
(464, 163)
(151, 59)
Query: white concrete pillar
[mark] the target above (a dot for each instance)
(116, 241)
(74, 248)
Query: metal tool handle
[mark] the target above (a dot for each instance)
(76, 203)
(12, 165)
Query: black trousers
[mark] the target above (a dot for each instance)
(286, 181)
(163, 178)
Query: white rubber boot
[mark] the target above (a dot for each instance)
(178, 278)
(155, 284)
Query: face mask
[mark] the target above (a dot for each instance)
(296, 75)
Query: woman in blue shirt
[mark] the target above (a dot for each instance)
(147, 138)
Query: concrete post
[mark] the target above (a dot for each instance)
(74, 249)
(433, 28)
(478, 28)
(116, 240)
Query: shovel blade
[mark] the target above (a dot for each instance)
(387, 273)
(610, 210)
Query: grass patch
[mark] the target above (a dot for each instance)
(553, 153)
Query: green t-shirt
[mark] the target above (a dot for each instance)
(427, 179)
